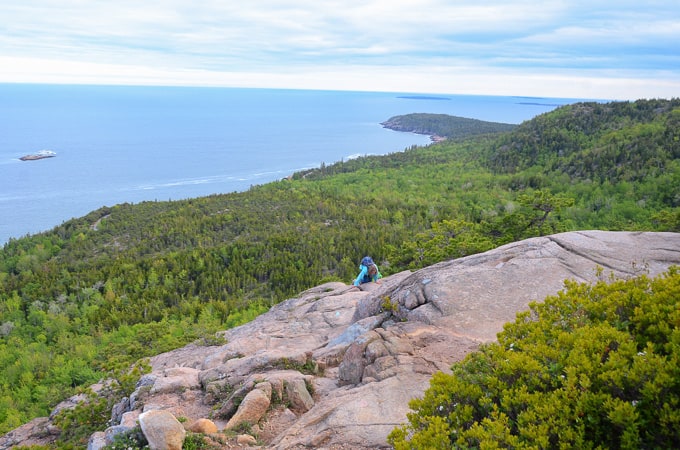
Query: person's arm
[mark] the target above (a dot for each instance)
(377, 275)
(364, 269)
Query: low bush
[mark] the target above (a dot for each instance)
(596, 366)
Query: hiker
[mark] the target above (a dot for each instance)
(369, 272)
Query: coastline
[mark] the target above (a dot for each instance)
(274, 135)
(391, 125)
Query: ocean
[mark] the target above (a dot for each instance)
(118, 144)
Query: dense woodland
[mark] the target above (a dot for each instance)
(444, 125)
(97, 293)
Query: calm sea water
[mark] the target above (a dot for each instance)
(120, 144)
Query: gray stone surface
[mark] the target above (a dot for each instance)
(365, 361)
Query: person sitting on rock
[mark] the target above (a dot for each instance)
(369, 272)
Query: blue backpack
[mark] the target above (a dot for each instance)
(367, 261)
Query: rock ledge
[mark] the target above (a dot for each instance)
(336, 366)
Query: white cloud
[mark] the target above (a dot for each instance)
(425, 46)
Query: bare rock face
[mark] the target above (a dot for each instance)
(476, 295)
(176, 378)
(336, 366)
(32, 433)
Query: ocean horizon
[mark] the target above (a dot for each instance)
(129, 144)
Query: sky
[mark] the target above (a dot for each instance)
(618, 50)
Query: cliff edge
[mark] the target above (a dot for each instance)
(336, 366)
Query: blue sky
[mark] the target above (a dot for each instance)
(576, 49)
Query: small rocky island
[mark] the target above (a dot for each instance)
(443, 126)
(42, 154)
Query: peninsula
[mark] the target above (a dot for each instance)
(442, 126)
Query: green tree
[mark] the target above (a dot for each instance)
(447, 239)
(533, 216)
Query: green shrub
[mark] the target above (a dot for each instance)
(93, 414)
(132, 439)
(196, 441)
(594, 366)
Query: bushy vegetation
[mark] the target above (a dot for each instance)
(93, 412)
(99, 292)
(597, 366)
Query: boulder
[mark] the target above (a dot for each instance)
(298, 395)
(253, 407)
(162, 430)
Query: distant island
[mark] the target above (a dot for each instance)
(423, 97)
(443, 126)
(42, 154)
(539, 104)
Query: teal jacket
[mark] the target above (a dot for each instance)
(363, 276)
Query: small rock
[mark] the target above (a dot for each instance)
(375, 350)
(97, 441)
(246, 439)
(351, 369)
(277, 387)
(111, 433)
(119, 409)
(203, 426)
(129, 419)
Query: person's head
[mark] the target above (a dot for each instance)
(367, 261)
